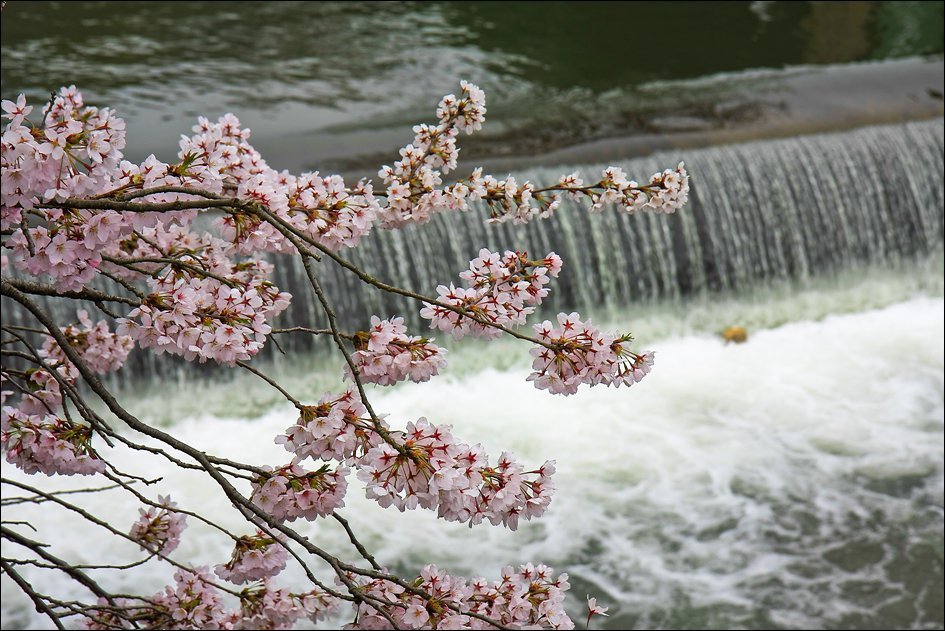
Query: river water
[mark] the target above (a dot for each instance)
(795, 481)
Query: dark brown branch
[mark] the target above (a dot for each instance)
(37, 547)
(187, 190)
(354, 541)
(38, 289)
(38, 601)
(10, 501)
(144, 207)
(271, 382)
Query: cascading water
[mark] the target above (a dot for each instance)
(760, 211)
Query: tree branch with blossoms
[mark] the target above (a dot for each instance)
(81, 223)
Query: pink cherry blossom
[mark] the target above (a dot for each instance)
(576, 353)
(159, 529)
(528, 598)
(501, 289)
(47, 444)
(291, 492)
(337, 428)
(386, 354)
(432, 470)
(593, 609)
(254, 558)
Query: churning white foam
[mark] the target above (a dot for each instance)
(795, 480)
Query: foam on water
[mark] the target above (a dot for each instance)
(793, 481)
(308, 375)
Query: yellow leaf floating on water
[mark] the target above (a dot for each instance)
(735, 334)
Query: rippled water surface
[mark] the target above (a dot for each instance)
(338, 85)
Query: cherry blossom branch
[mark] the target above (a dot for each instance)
(271, 382)
(10, 501)
(96, 386)
(186, 190)
(103, 524)
(165, 261)
(204, 302)
(304, 329)
(83, 566)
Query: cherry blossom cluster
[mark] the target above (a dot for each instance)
(337, 428)
(329, 213)
(34, 436)
(424, 466)
(666, 192)
(321, 208)
(324, 209)
(71, 250)
(42, 394)
(412, 193)
(254, 558)
(202, 305)
(114, 614)
(316, 604)
(38, 164)
(220, 157)
(510, 201)
(290, 492)
(386, 354)
(101, 349)
(194, 602)
(265, 606)
(530, 598)
(61, 253)
(32, 157)
(158, 529)
(432, 470)
(576, 353)
(38, 443)
(500, 289)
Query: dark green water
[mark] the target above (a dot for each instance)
(337, 85)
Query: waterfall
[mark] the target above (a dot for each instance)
(760, 211)
(774, 209)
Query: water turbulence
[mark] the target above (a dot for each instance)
(791, 482)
